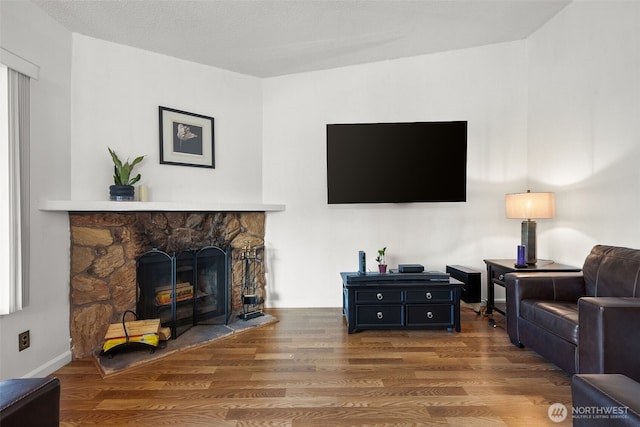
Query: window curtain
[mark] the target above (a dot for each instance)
(16, 294)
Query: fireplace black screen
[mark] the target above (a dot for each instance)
(184, 289)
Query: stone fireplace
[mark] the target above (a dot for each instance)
(105, 246)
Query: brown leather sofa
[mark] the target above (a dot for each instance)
(30, 402)
(583, 322)
(605, 400)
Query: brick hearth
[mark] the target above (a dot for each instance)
(104, 247)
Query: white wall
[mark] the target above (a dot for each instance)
(558, 111)
(584, 125)
(28, 32)
(116, 91)
(311, 242)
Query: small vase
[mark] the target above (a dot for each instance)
(382, 268)
(121, 192)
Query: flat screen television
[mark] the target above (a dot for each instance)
(397, 162)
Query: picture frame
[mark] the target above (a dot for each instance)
(186, 139)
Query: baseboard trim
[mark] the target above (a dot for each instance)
(51, 366)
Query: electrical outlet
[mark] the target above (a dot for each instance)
(24, 340)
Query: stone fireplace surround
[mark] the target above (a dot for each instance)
(106, 238)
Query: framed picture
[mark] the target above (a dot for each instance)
(186, 139)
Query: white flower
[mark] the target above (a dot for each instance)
(184, 132)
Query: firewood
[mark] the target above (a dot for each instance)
(135, 327)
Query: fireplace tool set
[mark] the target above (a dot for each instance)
(251, 302)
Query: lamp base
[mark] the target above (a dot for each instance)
(528, 237)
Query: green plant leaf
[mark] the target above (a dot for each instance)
(136, 161)
(115, 158)
(116, 176)
(135, 179)
(125, 172)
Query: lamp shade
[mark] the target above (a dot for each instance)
(530, 205)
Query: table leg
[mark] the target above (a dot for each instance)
(490, 298)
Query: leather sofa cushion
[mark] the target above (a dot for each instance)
(558, 317)
(611, 271)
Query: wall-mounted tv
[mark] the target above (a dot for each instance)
(397, 162)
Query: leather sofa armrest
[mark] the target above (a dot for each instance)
(544, 286)
(607, 336)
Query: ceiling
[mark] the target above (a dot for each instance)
(266, 38)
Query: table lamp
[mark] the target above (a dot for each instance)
(528, 206)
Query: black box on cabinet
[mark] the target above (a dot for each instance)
(471, 280)
(410, 268)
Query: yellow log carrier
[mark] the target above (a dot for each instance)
(145, 332)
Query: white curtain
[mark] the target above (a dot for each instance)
(15, 293)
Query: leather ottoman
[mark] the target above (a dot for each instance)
(605, 400)
(30, 402)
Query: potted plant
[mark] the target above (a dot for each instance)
(382, 263)
(123, 188)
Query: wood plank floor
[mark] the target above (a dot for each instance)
(306, 370)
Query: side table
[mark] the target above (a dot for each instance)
(498, 268)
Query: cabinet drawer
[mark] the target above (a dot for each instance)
(497, 275)
(430, 314)
(382, 315)
(430, 295)
(378, 296)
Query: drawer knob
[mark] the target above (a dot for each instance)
(380, 315)
(379, 296)
(428, 295)
(501, 277)
(429, 315)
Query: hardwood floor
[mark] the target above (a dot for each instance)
(306, 370)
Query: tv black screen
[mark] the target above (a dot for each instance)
(397, 162)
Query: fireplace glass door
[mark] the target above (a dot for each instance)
(212, 303)
(156, 285)
(184, 291)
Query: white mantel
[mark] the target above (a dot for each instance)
(135, 206)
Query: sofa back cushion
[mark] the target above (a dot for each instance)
(611, 271)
